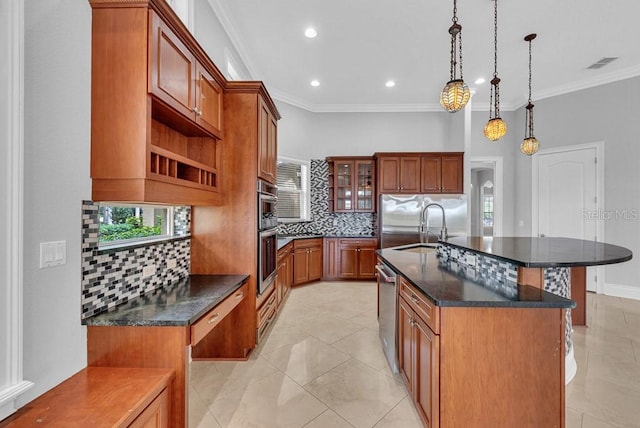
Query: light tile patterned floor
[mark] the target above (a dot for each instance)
(322, 365)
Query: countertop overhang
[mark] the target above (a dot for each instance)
(533, 252)
(178, 304)
(446, 288)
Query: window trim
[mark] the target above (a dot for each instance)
(305, 205)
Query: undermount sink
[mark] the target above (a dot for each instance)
(421, 249)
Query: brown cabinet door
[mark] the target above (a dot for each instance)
(405, 342)
(331, 257)
(426, 372)
(389, 175)
(315, 263)
(343, 184)
(209, 102)
(267, 143)
(367, 263)
(410, 174)
(452, 167)
(300, 266)
(171, 69)
(363, 186)
(431, 174)
(348, 262)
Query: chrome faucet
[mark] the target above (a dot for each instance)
(424, 224)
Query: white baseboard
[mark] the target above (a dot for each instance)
(8, 396)
(619, 290)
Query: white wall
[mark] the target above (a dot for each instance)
(606, 113)
(57, 146)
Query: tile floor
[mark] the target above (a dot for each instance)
(322, 365)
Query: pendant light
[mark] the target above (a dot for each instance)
(496, 127)
(455, 94)
(530, 143)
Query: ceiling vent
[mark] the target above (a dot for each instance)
(602, 63)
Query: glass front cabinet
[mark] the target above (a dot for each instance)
(351, 184)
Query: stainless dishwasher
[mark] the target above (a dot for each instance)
(387, 298)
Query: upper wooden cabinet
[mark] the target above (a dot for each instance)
(398, 173)
(267, 143)
(442, 173)
(420, 172)
(351, 184)
(156, 108)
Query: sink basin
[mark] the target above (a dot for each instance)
(421, 249)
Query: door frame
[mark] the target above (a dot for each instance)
(498, 190)
(535, 165)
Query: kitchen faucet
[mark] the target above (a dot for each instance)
(424, 224)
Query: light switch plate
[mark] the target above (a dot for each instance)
(53, 254)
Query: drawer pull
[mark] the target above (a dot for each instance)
(213, 319)
(414, 299)
(239, 296)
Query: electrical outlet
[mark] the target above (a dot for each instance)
(148, 270)
(172, 263)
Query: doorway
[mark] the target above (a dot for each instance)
(567, 195)
(485, 196)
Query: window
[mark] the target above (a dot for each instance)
(125, 224)
(293, 190)
(487, 210)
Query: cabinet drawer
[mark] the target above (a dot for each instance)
(265, 310)
(358, 242)
(307, 243)
(425, 309)
(207, 322)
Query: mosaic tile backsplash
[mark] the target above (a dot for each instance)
(324, 222)
(500, 274)
(113, 277)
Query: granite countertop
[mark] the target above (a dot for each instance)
(447, 285)
(544, 252)
(181, 303)
(285, 239)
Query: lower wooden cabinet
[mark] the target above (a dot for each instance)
(284, 275)
(307, 260)
(481, 366)
(350, 258)
(419, 361)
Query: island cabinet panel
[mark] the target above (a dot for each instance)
(488, 354)
(148, 73)
(484, 366)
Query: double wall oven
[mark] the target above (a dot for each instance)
(267, 235)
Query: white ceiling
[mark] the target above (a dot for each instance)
(363, 43)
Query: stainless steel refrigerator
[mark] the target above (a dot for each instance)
(399, 217)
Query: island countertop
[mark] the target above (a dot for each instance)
(178, 304)
(533, 252)
(445, 287)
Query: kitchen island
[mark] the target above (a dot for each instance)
(477, 351)
(158, 328)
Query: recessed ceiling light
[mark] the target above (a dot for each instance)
(480, 81)
(315, 83)
(390, 84)
(310, 32)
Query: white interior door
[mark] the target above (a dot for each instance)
(567, 194)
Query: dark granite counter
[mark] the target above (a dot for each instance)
(181, 303)
(544, 252)
(451, 285)
(285, 239)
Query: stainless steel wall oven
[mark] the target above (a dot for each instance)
(267, 235)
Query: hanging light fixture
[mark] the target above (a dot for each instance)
(496, 127)
(455, 94)
(530, 143)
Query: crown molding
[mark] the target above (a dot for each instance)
(221, 13)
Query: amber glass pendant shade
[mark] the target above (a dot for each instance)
(455, 95)
(529, 146)
(495, 129)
